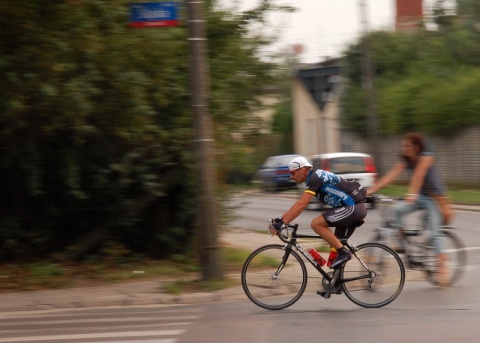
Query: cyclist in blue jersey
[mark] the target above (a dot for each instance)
(346, 198)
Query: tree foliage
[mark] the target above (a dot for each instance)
(96, 123)
(424, 81)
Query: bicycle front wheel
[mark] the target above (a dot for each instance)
(274, 277)
(374, 277)
(455, 255)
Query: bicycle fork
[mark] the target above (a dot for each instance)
(288, 248)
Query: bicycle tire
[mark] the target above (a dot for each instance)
(456, 257)
(270, 291)
(379, 287)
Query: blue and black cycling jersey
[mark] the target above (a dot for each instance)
(334, 191)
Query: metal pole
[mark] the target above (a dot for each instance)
(207, 223)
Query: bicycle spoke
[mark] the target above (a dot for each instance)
(378, 280)
(268, 283)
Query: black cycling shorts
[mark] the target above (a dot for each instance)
(345, 219)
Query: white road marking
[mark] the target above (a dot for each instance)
(95, 335)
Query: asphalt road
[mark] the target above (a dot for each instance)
(422, 313)
(253, 210)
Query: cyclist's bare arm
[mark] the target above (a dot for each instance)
(418, 176)
(388, 178)
(297, 208)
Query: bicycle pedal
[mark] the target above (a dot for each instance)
(324, 294)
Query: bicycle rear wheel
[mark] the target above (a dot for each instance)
(374, 277)
(455, 254)
(274, 277)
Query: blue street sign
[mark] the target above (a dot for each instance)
(153, 14)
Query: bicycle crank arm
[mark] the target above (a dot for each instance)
(328, 292)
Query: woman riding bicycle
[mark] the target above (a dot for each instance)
(424, 187)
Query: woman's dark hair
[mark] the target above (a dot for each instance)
(416, 139)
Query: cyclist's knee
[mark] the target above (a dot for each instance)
(318, 222)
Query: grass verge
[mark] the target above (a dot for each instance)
(459, 194)
(180, 275)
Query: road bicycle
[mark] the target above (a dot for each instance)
(416, 246)
(275, 276)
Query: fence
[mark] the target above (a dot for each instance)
(458, 156)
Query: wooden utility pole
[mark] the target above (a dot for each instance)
(207, 222)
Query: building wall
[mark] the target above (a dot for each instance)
(314, 131)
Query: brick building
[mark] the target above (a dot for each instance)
(409, 14)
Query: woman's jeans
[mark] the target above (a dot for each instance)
(433, 221)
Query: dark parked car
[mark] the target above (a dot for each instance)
(274, 173)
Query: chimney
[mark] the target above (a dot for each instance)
(409, 14)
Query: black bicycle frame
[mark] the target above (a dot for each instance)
(307, 255)
(293, 242)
